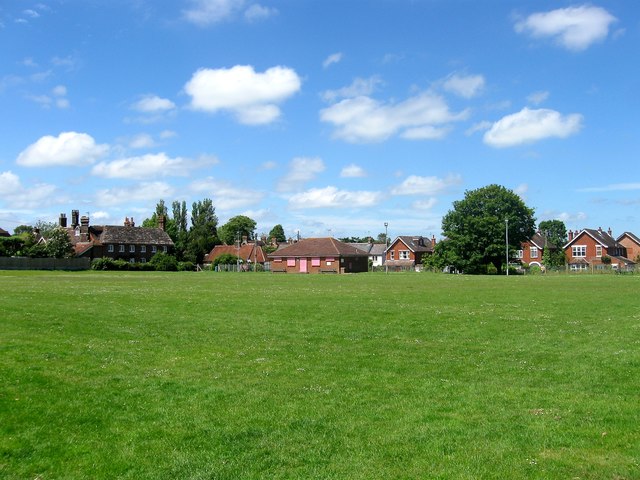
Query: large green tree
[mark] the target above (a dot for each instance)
(203, 234)
(277, 232)
(236, 228)
(180, 228)
(556, 233)
(476, 227)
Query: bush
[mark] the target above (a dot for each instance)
(164, 262)
(491, 269)
(186, 267)
(104, 263)
(535, 270)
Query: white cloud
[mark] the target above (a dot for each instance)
(529, 126)
(364, 119)
(149, 166)
(68, 149)
(143, 192)
(574, 28)
(353, 171)
(478, 127)
(359, 87)
(615, 187)
(466, 86)
(427, 132)
(256, 13)
(142, 140)
(427, 204)
(536, 98)
(521, 190)
(331, 59)
(416, 185)
(225, 195)
(153, 104)
(208, 12)
(331, 197)
(252, 97)
(9, 183)
(59, 91)
(301, 170)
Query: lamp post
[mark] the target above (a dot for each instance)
(386, 245)
(506, 235)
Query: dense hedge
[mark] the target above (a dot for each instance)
(159, 262)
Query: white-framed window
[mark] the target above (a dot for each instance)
(143, 249)
(598, 250)
(533, 252)
(132, 260)
(579, 251)
(110, 248)
(164, 248)
(132, 248)
(143, 260)
(393, 255)
(121, 249)
(77, 231)
(153, 249)
(578, 267)
(519, 253)
(403, 255)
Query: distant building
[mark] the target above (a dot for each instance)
(319, 255)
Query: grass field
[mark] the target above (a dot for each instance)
(369, 376)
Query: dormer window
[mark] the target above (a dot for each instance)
(77, 231)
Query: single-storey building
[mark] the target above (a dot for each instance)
(319, 255)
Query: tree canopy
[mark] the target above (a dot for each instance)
(277, 232)
(555, 231)
(236, 228)
(476, 227)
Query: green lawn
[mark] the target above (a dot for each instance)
(369, 376)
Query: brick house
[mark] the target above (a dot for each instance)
(632, 244)
(406, 252)
(249, 253)
(587, 248)
(319, 255)
(532, 250)
(119, 242)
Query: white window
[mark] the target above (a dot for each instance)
(578, 267)
(579, 251)
(519, 253)
(598, 250)
(153, 249)
(164, 248)
(393, 255)
(121, 249)
(403, 255)
(110, 248)
(143, 260)
(534, 252)
(132, 248)
(143, 249)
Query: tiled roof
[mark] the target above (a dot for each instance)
(245, 252)
(365, 247)
(378, 249)
(600, 236)
(417, 243)
(134, 235)
(318, 247)
(631, 236)
(541, 241)
(4, 233)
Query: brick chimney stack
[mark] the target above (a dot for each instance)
(570, 234)
(433, 240)
(63, 220)
(610, 232)
(75, 218)
(161, 222)
(84, 228)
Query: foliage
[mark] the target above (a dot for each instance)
(45, 228)
(444, 255)
(225, 259)
(555, 231)
(203, 235)
(215, 376)
(20, 229)
(277, 232)
(355, 239)
(11, 246)
(164, 262)
(59, 244)
(606, 259)
(236, 228)
(186, 267)
(475, 227)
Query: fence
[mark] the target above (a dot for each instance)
(25, 263)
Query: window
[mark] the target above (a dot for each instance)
(110, 248)
(393, 255)
(519, 253)
(132, 260)
(578, 267)
(598, 250)
(534, 252)
(403, 254)
(132, 248)
(77, 231)
(164, 248)
(121, 249)
(143, 249)
(579, 251)
(291, 262)
(143, 260)
(315, 262)
(153, 249)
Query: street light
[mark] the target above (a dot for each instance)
(506, 235)
(386, 245)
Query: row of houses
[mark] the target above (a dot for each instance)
(587, 249)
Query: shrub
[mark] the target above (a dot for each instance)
(104, 263)
(186, 267)
(491, 269)
(164, 262)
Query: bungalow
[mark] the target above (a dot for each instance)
(406, 252)
(594, 249)
(249, 253)
(375, 251)
(119, 242)
(532, 250)
(632, 243)
(319, 255)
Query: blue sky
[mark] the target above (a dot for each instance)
(328, 117)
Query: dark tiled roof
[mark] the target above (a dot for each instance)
(365, 247)
(600, 236)
(245, 252)
(631, 236)
(541, 241)
(4, 233)
(318, 247)
(134, 235)
(417, 243)
(378, 249)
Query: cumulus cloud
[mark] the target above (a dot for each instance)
(353, 171)
(528, 126)
(331, 197)
(153, 104)
(331, 59)
(225, 195)
(417, 185)
(359, 87)
(301, 170)
(363, 119)
(15, 195)
(574, 28)
(9, 183)
(256, 13)
(427, 204)
(143, 192)
(68, 149)
(466, 86)
(251, 96)
(146, 166)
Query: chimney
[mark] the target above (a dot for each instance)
(161, 222)
(126, 222)
(75, 218)
(84, 228)
(599, 229)
(570, 233)
(63, 220)
(610, 232)
(133, 224)
(433, 240)
(244, 240)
